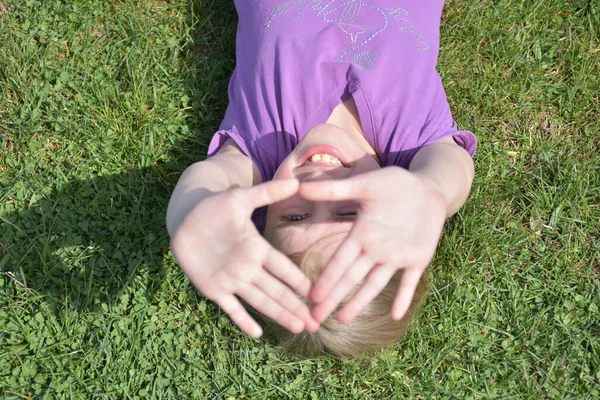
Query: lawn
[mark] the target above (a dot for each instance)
(104, 103)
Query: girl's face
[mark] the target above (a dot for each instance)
(325, 152)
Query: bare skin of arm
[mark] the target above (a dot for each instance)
(449, 168)
(229, 168)
(217, 245)
(397, 227)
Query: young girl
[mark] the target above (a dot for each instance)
(339, 123)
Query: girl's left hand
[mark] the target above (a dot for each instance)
(398, 226)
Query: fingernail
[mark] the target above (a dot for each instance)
(257, 333)
(298, 327)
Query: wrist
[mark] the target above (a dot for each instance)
(179, 209)
(447, 168)
(434, 189)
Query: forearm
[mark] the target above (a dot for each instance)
(449, 168)
(198, 182)
(229, 168)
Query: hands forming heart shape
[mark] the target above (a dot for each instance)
(397, 227)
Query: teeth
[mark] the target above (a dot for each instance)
(325, 158)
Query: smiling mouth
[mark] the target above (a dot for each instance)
(323, 160)
(323, 156)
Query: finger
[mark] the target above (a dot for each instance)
(271, 192)
(374, 284)
(408, 285)
(238, 314)
(268, 307)
(285, 270)
(334, 190)
(346, 254)
(349, 280)
(286, 298)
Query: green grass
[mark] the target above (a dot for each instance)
(103, 104)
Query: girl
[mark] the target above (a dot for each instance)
(339, 123)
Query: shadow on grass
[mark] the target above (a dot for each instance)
(84, 243)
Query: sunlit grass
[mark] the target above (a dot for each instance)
(104, 103)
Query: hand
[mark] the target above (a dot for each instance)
(219, 248)
(398, 225)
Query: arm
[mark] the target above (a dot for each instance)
(216, 244)
(449, 168)
(398, 225)
(229, 168)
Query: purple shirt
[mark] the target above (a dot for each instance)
(296, 60)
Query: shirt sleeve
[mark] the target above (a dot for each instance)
(465, 139)
(265, 162)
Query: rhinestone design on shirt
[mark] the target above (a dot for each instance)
(348, 15)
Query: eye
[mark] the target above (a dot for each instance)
(295, 217)
(346, 209)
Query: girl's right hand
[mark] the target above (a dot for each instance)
(224, 255)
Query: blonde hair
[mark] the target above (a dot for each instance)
(371, 330)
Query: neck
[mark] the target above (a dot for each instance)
(346, 117)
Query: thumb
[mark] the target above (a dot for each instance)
(353, 188)
(271, 192)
